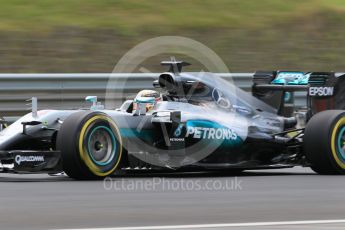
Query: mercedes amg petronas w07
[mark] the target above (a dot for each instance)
(191, 121)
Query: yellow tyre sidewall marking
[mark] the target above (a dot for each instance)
(83, 152)
(334, 142)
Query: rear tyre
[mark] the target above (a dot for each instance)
(324, 142)
(90, 145)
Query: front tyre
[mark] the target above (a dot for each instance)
(324, 142)
(90, 145)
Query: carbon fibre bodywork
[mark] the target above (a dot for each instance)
(203, 122)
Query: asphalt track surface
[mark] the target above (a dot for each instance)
(168, 201)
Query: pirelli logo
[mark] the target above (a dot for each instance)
(321, 91)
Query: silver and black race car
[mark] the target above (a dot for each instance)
(192, 121)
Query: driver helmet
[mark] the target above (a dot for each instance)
(148, 97)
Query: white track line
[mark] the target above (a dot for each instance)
(194, 226)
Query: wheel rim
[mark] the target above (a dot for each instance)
(341, 143)
(101, 145)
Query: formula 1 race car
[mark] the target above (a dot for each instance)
(192, 121)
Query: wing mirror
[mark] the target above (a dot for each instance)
(94, 104)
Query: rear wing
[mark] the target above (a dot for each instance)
(277, 88)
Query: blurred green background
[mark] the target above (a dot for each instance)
(91, 36)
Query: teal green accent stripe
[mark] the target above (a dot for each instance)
(341, 144)
(113, 141)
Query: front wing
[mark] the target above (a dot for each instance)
(28, 161)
